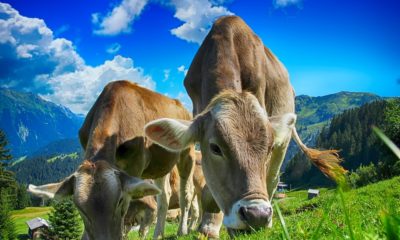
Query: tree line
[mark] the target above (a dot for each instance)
(365, 156)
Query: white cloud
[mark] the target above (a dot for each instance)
(61, 30)
(166, 74)
(286, 3)
(197, 16)
(182, 69)
(33, 59)
(29, 50)
(120, 19)
(78, 90)
(113, 48)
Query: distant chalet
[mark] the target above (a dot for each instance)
(312, 193)
(36, 227)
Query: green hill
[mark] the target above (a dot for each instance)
(313, 113)
(351, 133)
(370, 210)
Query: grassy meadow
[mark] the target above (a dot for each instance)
(370, 212)
(365, 213)
(21, 216)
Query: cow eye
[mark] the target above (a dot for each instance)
(215, 149)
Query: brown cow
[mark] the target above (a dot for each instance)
(244, 107)
(143, 211)
(113, 138)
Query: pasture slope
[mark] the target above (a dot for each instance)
(21, 216)
(369, 209)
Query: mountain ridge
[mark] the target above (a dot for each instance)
(31, 122)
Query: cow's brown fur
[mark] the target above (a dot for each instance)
(243, 105)
(113, 131)
(231, 64)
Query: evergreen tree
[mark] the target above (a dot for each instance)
(65, 221)
(8, 184)
(363, 153)
(5, 155)
(7, 226)
(23, 199)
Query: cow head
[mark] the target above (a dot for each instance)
(236, 139)
(102, 195)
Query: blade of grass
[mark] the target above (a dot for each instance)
(346, 214)
(282, 221)
(324, 217)
(387, 141)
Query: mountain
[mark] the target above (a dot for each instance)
(43, 135)
(313, 113)
(31, 122)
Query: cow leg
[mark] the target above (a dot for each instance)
(162, 205)
(186, 191)
(278, 155)
(211, 220)
(194, 214)
(147, 219)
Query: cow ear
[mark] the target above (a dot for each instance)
(54, 190)
(282, 126)
(174, 135)
(137, 188)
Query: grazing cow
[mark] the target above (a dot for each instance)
(113, 138)
(244, 107)
(143, 211)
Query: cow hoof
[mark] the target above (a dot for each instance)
(208, 232)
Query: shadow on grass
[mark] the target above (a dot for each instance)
(23, 237)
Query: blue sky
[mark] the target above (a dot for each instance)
(68, 50)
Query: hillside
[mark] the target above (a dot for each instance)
(372, 211)
(31, 122)
(313, 113)
(50, 163)
(351, 133)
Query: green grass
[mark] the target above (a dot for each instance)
(369, 209)
(20, 159)
(62, 157)
(369, 212)
(21, 216)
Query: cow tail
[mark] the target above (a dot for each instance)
(327, 161)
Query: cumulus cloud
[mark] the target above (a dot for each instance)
(113, 48)
(78, 90)
(197, 16)
(286, 3)
(29, 51)
(120, 19)
(166, 74)
(33, 59)
(182, 69)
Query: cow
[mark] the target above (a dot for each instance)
(243, 105)
(143, 211)
(113, 138)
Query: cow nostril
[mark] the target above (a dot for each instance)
(255, 216)
(242, 213)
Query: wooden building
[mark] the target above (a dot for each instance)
(36, 227)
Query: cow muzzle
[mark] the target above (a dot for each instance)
(249, 215)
